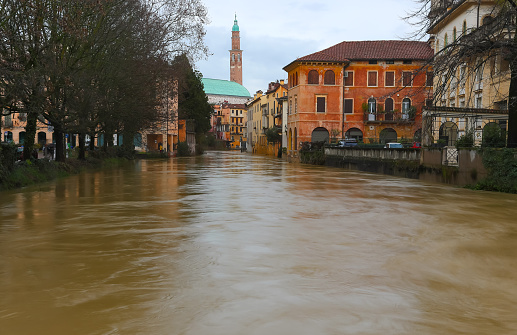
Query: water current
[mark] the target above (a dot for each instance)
(234, 244)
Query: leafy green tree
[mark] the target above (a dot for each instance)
(192, 100)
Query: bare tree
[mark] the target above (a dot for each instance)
(490, 47)
(84, 66)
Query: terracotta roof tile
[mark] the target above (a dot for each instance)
(365, 50)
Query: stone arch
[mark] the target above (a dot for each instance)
(354, 133)
(387, 135)
(320, 134)
(290, 140)
(449, 133)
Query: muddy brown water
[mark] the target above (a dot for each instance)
(234, 244)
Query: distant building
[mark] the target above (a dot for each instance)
(266, 112)
(373, 91)
(219, 91)
(229, 124)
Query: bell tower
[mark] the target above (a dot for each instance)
(236, 54)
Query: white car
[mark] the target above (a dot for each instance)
(393, 146)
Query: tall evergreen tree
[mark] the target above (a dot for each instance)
(192, 100)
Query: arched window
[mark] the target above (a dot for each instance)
(290, 142)
(313, 77)
(233, 57)
(238, 57)
(487, 19)
(295, 139)
(330, 78)
(372, 105)
(406, 105)
(454, 34)
(296, 79)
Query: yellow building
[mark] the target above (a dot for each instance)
(475, 94)
(264, 109)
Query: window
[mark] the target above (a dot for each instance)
(407, 62)
(330, 78)
(454, 34)
(349, 78)
(321, 104)
(390, 79)
(464, 28)
(429, 79)
(479, 101)
(372, 78)
(313, 77)
(295, 104)
(445, 41)
(296, 79)
(233, 57)
(348, 106)
(372, 61)
(390, 62)
(372, 105)
(406, 105)
(238, 57)
(406, 78)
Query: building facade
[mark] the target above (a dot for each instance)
(474, 95)
(266, 112)
(373, 91)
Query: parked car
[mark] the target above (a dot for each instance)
(416, 145)
(350, 142)
(393, 145)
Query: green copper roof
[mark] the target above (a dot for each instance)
(224, 87)
(235, 25)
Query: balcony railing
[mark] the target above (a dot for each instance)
(390, 117)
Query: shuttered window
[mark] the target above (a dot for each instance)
(320, 104)
(349, 78)
(313, 77)
(330, 78)
(372, 78)
(390, 78)
(348, 106)
(406, 78)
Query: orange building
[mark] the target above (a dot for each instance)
(373, 91)
(228, 124)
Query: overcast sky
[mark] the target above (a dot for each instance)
(274, 33)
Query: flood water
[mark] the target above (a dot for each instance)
(234, 244)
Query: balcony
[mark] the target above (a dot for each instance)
(389, 118)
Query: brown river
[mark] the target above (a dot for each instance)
(234, 244)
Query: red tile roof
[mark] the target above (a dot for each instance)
(365, 50)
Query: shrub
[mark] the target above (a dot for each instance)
(183, 149)
(466, 141)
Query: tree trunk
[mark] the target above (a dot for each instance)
(82, 146)
(512, 102)
(30, 134)
(60, 145)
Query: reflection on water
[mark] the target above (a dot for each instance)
(229, 243)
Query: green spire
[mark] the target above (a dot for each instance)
(235, 25)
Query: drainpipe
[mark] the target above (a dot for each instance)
(343, 103)
(479, 4)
